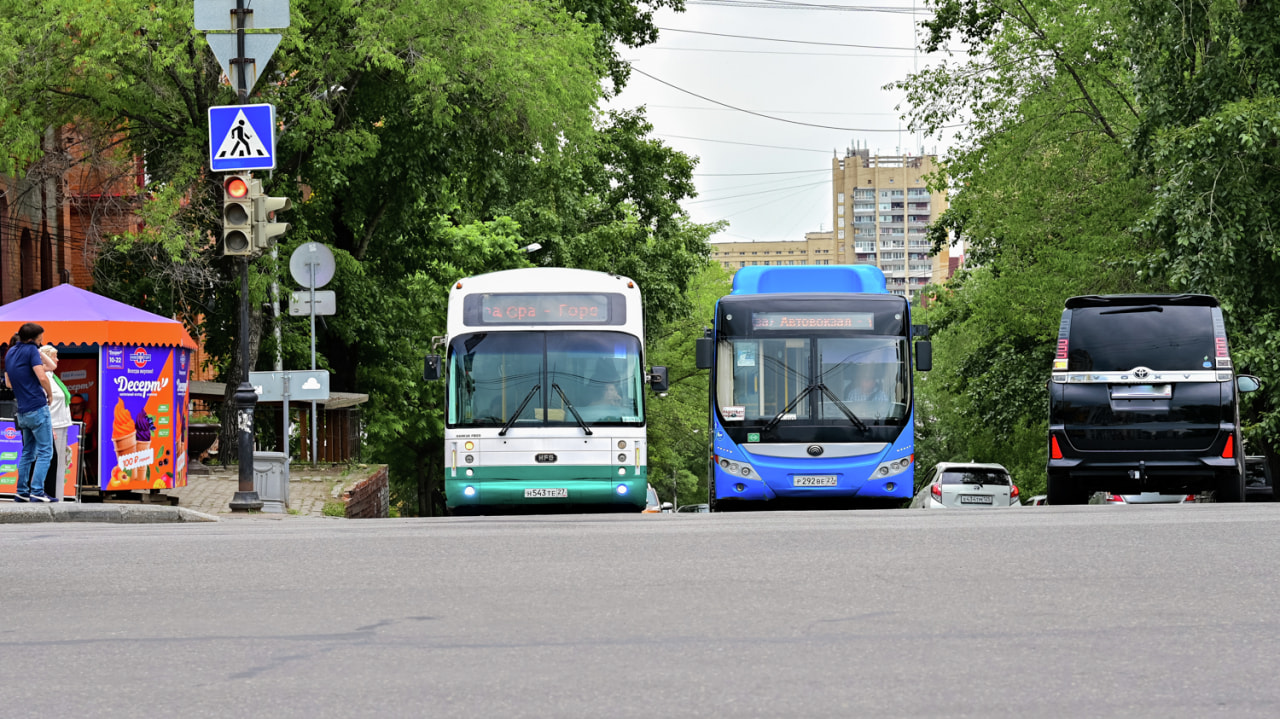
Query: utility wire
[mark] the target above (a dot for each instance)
(752, 174)
(761, 114)
(777, 52)
(779, 112)
(784, 5)
(761, 192)
(777, 39)
(745, 144)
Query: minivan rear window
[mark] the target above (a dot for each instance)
(975, 476)
(1159, 337)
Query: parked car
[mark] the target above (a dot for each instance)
(1257, 479)
(1143, 498)
(1037, 500)
(694, 508)
(652, 505)
(967, 485)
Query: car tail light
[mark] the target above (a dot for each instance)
(1115, 499)
(1190, 498)
(1054, 450)
(1229, 452)
(936, 491)
(1013, 491)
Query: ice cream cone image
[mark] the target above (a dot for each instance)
(123, 431)
(142, 433)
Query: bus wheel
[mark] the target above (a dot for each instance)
(1230, 487)
(1062, 491)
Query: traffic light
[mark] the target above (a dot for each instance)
(264, 228)
(237, 215)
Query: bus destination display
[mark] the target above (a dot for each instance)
(546, 309)
(812, 320)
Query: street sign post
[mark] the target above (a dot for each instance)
(312, 266)
(300, 304)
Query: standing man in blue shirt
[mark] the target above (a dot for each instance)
(25, 375)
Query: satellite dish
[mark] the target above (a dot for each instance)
(308, 257)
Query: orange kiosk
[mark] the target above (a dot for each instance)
(128, 372)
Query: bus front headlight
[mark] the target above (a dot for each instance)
(892, 467)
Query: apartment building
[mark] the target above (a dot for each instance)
(880, 210)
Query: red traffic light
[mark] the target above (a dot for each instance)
(236, 187)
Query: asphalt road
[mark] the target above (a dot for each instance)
(1076, 611)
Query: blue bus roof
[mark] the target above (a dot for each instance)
(829, 278)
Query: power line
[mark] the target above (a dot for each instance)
(780, 112)
(761, 192)
(797, 42)
(752, 174)
(777, 52)
(790, 5)
(760, 114)
(745, 144)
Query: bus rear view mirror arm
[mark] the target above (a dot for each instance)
(924, 356)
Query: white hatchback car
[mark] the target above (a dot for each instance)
(967, 485)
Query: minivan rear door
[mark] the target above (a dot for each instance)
(974, 487)
(1145, 377)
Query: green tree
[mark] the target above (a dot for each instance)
(1043, 195)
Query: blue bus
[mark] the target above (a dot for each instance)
(811, 389)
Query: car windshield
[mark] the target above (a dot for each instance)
(1158, 337)
(975, 476)
(545, 378)
(652, 498)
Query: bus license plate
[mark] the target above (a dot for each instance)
(540, 492)
(975, 499)
(814, 480)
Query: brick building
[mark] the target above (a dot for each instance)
(55, 215)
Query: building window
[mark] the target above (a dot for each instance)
(840, 197)
(840, 235)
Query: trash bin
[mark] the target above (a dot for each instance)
(271, 480)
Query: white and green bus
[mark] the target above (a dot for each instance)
(546, 404)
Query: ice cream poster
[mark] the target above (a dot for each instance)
(11, 451)
(138, 416)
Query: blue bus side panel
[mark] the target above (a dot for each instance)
(829, 278)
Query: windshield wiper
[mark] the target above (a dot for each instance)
(1128, 310)
(572, 409)
(843, 408)
(791, 405)
(826, 392)
(507, 426)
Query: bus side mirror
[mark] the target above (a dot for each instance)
(924, 356)
(703, 351)
(431, 369)
(1248, 383)
(658, 379)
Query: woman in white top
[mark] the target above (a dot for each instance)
(60, 413)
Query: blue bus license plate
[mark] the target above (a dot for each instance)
(814, 480)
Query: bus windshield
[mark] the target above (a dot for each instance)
(758, 378)
(552, 374)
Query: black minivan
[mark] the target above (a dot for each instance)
(1143, 398)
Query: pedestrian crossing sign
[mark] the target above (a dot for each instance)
(242, 137)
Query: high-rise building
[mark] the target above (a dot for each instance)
(880, 211)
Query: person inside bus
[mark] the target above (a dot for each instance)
(865, 390)
(609, 402)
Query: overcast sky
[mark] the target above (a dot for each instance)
(835, 84)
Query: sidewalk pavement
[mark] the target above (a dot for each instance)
(206, 498)
(309, 490)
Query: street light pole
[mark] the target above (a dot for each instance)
(246, 497)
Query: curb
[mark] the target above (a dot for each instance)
(108, 513)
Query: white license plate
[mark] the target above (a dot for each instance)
(975, 499)
(814, 480)
(540, 492)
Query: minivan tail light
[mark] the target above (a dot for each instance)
(1229, 452)
(936, 491)
(1054, 450)
(1013, 492)
(1115, 499)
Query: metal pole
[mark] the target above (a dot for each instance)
(246, 498)
(312, 267)
(242, 92)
